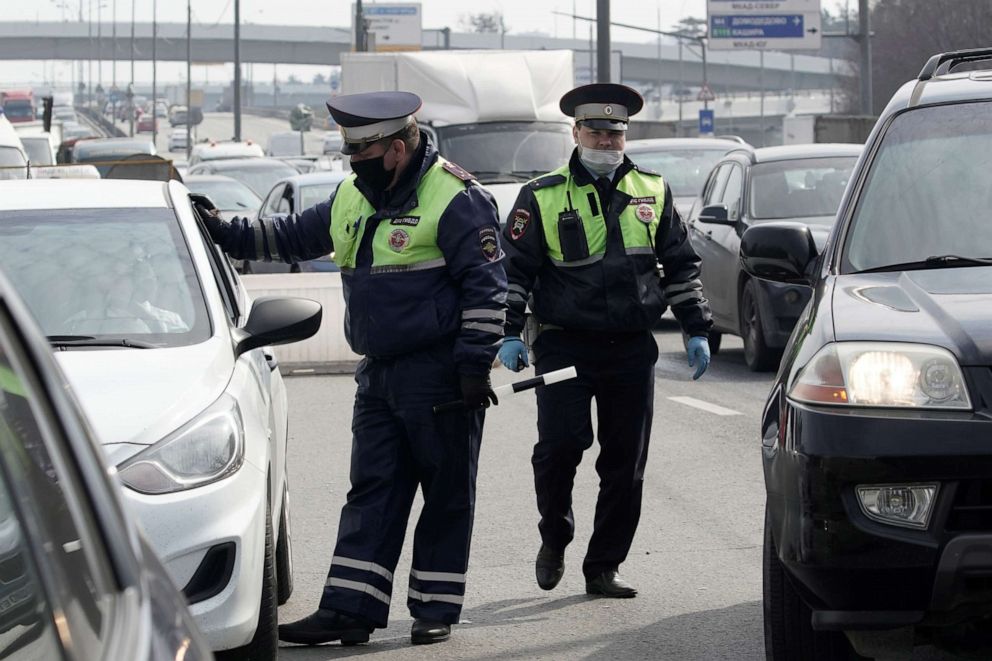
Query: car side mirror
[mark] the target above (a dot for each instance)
(277, 320)
(780, 252)
(716, 214)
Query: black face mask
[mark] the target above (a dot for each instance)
(373, 173)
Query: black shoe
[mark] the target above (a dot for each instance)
(325, 626)
(425, 632)
(609, 584)
(549, 567)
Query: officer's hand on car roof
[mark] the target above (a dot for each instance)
(698, 350)
(477, 391)
(513, 354)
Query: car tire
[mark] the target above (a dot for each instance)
(284, 552)
(264, 644)
(758, 356)
(789, 632)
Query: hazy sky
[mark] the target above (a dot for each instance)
(519, 16)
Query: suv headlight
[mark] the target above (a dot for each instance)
(882, 374)
(206, 449)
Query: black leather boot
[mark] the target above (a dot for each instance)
(609, 584)
(325, 626)
(425, 632)
(550, 567)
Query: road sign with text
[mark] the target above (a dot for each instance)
(768, 24)
(393, 26)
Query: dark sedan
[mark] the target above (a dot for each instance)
(749, 187)
(877, 435)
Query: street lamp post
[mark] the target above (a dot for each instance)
(154, 67)
(237, 70)
(131, 113)
(189, 70)
(603, 41)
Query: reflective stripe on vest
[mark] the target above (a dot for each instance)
(407, 242)
(639, 220)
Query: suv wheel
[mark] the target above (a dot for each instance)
(789, 632)
(757, 355)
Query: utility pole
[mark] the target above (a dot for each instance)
(131, 109)
(864, 39)
(154, 71)
(237, 70)
(360, 45)
(99, 44)
(113, 57)
(189, 76)
(761, 84)
(89, 64)
(603, 41)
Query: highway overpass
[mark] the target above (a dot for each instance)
(285, 44)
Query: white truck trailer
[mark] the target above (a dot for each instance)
(495, 113)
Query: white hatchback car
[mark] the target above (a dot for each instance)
(170, 360)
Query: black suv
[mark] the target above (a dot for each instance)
(877, 435)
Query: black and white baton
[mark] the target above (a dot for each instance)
(563, 374)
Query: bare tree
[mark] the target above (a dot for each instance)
(483, 22)
(908, 32)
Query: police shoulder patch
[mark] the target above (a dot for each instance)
(546, 181)
(458, 171)
(644, 170)
(519, 223)
(489, 243)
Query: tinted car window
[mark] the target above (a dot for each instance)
(927, 192)
(272, 201)
(714, 191)
(732, 193)
(799, 188)
(105, 273)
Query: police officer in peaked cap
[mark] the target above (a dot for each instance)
(584, 243)
(417, 241)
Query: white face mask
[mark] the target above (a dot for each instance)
(601, 161)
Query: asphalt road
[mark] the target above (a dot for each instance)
(696, 559)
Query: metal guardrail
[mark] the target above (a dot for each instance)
(108, 127)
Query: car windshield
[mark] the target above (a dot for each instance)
(685, 170)
(927, 193)
(259, 178)
(311, 195)
(799, 188)
(18, 110)
(39, 150)
(506, 151)
(12, 164)
(227, 195)
(107, 274)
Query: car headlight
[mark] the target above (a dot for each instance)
(882, 374)
(208, 448)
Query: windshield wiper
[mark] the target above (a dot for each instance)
(66, 341)
(932, 262)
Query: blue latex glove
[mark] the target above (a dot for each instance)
(699, 351)
(513, 353)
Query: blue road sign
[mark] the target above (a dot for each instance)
(706, 121)
(779, 26)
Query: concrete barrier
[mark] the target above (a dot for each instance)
(325, 352)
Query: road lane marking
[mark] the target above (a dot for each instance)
(704, 406)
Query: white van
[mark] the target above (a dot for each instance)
(13, 160)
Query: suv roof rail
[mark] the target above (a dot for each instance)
(943, 62)
(736, 138)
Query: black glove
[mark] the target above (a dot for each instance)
(211, 218)
(477, 391)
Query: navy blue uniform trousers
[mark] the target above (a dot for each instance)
(398, 445)
(617, 370)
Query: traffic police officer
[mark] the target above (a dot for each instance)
(583, 247)
(417, 241)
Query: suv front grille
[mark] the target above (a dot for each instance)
(971, 510)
